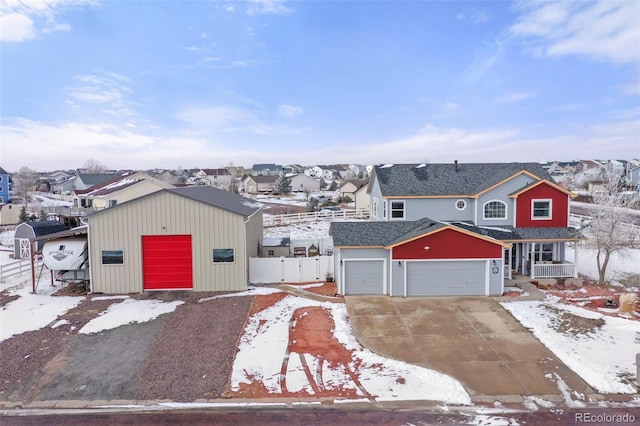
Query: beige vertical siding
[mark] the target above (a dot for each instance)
(169, 214)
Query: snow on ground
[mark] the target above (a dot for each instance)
(600, 354)
(31, 311)
(127, 312)
(303, 230)
(50, 201)
(618, 264)
(268, 332)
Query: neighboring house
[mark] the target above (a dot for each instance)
(256, 184)
(197, 238)
(118, 190)
(33, 229)
(362, 198)
(349, 188)
(9, 214)
(266, 169)
(4, 186)
(597, 185)
(168, 176)
(218, 178)
(87, 180)
(302, 182)
(634, 178)
(276, 247)
(320, 172)
(458, 221)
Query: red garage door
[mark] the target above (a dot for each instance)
(166, 262)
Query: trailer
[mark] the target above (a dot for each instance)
(68, 257)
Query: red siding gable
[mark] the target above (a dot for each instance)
(448, 244)
(543, 191)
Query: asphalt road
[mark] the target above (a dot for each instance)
(592, 416)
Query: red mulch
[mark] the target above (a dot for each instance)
(591, 296)
(329, 289)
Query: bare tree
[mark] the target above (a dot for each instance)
(94, 166)
(609, 231)
(25, 182)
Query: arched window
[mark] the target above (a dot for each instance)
(495, 210)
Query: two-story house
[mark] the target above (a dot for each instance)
(455, 229)
(118, 190)
(4, 186)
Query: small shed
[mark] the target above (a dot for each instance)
(276, 247)
(27, 231)
(9, 214)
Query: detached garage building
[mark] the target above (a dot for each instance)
(416, 258)
(194, 238)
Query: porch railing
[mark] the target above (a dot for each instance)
(553, 270)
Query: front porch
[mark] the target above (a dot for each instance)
(540, 260)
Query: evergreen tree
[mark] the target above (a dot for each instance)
(333, 186)
(43, 215)
(24, 216)
(283, 185)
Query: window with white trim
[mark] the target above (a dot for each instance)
(224, 255)
(397, 209)
(495, 210)
(374, 207)
(461, 204)
(540, 209)
(384, 209)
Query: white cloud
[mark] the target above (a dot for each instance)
(21, 20)
(16, 27)
(53, 146)
(484, 61)
(289, 110)
(599, 31)
(513, 97)
(106, 88)
(268, 7)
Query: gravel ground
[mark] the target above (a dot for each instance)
(24, 357)
(193, 354)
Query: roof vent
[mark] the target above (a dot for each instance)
(456, 163)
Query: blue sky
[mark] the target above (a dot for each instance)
(167, 84)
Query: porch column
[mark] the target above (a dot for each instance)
(532, 259)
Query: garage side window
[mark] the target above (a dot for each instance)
(224, 255)
(112, 257)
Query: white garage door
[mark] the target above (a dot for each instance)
(364, 277)
(446, 278)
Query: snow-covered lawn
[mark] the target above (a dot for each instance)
(599, 348)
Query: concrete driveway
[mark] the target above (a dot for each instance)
(473, 339)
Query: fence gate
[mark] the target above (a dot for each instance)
(264, 270)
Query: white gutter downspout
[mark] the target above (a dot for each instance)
(89, 254)
(246, 270)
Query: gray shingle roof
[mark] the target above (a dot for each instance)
(383, 234)
(219, 198)
(379, 234)
(3, 171)
(448, 179)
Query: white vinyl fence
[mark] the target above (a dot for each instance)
(16, 267)
(264, 270)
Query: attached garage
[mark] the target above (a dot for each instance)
(364, 276)
(167, 262)
(417, 258)
(447, 278)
